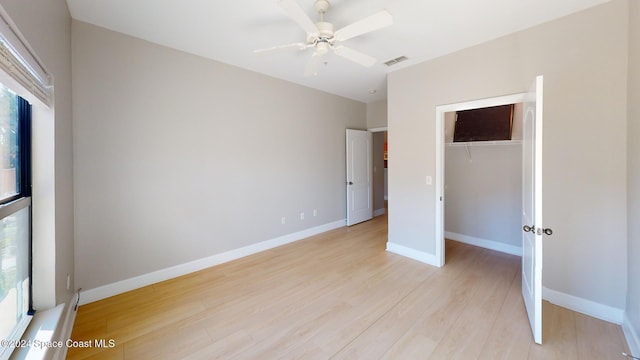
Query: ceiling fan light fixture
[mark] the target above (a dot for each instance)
(322, 47)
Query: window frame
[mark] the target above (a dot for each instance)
(15, 203)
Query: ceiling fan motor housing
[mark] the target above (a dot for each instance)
(325, 33)
(321, 6)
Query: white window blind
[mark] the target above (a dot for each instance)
(19, 61)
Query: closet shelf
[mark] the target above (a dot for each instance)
(485, 143)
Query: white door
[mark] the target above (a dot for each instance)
(532, 208)
(359, 182)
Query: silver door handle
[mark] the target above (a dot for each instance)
(547, 231)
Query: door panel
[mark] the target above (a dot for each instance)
(359, 176)
(532, 208)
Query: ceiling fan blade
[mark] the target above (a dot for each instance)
(374, 22)
(313, 66)
(274, 49)
(355, 56)
(298, 15)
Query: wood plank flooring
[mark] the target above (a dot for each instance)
(340, 295)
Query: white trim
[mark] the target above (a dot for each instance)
(583, 306)
(439, 175)
(633, 340)
(484, 143)
(488, 244)
(439, 189)
(44, 207)
(378, 129)
(67, 327)
(412, 253)
(133, 283)
(379, 212)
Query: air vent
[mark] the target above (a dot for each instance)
(395, 61)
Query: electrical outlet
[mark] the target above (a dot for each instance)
(315, 212)
(283, 220)
(301, 216)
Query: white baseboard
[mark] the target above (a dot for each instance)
(412, 253)
(488, 244)
(584, 306)
(137, 282)
(379, 212)
(631, 334)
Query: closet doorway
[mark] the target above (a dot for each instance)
(483, 177)
(531, 190)
(467, 151)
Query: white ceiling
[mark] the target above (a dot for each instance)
(229, 31)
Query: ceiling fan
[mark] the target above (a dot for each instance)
(322, 37)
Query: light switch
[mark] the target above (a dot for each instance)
(429, 181)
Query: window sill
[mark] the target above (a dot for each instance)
(40, 335)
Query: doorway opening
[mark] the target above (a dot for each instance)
(380, 162)
(366, 181)
(443, 134)
(532, 218)
(483, 177)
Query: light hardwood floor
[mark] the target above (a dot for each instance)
(340, 295)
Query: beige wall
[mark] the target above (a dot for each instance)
(583, 58)
(633, 179)
(377, 114)
(46, 26)
(179, 158)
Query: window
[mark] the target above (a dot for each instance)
(15, 217)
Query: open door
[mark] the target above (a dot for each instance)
(532, 208)
(359, 176)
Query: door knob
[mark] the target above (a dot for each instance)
(532, 229)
